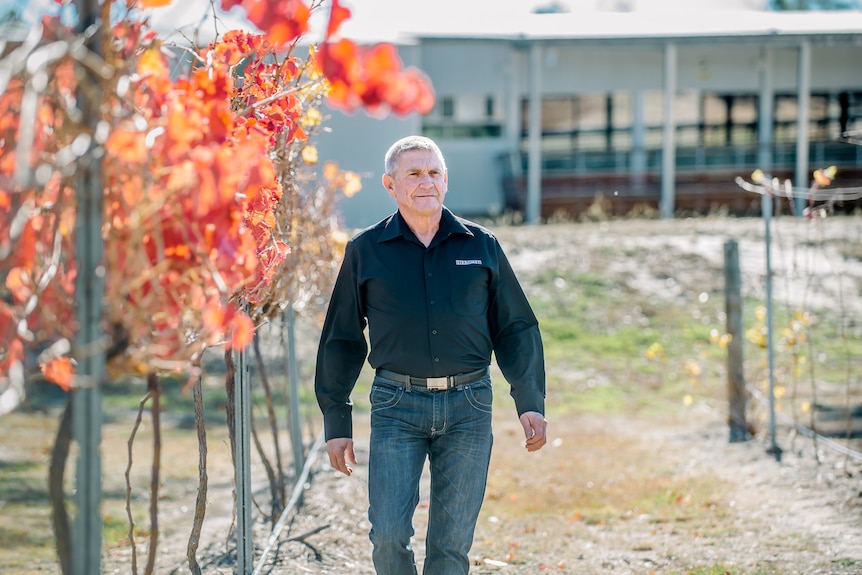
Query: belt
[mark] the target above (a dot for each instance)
(447, 382)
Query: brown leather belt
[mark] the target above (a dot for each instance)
(439, 383)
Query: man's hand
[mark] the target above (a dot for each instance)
(535, 429)
(340, 450)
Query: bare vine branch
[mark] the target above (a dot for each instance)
(130, 443)
(203, 479)
(154, 389)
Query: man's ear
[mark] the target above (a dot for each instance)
(388, 183)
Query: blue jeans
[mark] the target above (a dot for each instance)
(452, 428)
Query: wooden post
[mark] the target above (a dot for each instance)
(735, 372)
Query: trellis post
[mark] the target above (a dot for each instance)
(242, 463)
(89, 340)
(735, 371)
(766, 207)
(293, 391)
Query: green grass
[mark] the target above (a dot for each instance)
(599, 333)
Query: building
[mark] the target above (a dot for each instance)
(549, 113)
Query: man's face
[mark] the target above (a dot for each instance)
(418, 183)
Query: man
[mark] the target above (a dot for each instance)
(438, 296)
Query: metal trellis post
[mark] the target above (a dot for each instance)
(242, 463)
(89, 340)
(766, 203)
(293, 391)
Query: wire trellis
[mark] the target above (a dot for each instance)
(820, 203)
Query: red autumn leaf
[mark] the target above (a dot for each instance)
(416, 93)
(59, 371)
(26, 246)
(283, 21)
(339, 61)
(7, 322)
(337, 15)
(13, 354)
(374, 79)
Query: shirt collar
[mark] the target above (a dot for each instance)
(449, 224)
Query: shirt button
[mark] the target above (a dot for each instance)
(436, 360)
(433, 332)
(430, 274)
(432, 302)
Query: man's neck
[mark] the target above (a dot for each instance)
(424, 227)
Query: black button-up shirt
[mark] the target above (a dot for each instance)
(430, 312)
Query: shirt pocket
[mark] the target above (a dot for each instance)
(469, 289)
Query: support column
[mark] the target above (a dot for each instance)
(766, 112)
(803, 105)
(534, 161)
(668, 163)
(639, 152)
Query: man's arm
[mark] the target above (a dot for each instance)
(517, 341)
(341, 352)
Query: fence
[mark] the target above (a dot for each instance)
(810, 380)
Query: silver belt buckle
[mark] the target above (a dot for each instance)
(437, 382)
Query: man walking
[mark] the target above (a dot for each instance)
(438, 296)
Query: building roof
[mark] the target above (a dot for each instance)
(597, 26)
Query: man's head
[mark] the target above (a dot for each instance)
(408, 144)
(416, 177)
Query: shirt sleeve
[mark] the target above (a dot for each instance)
(517, 340)
(342, 350)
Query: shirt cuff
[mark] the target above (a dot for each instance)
(529, 400)
(338, 422)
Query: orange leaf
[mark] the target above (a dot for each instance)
(214, 315)
(151, 62)
(337, 15)
(59, 371)
(127, 146)
(19, 284)
(242, 331)
(282, 20)
(154, 3)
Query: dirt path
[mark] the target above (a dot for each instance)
(761, 515)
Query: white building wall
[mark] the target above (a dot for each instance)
(455, 66)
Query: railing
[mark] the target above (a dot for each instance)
(737, 157)
(624, 180)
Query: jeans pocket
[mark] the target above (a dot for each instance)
(384, 396)
(480, 395)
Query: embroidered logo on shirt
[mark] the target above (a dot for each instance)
(468, 262)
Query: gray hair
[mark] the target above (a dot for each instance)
(408, 144)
